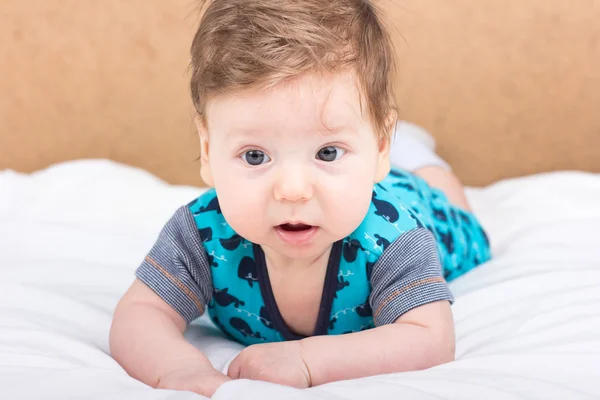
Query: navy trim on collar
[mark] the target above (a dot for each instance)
(327, 296)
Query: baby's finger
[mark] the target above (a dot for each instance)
(208, 389)
(225, 367)
(234, 368)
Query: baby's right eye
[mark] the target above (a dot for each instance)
(255, 157)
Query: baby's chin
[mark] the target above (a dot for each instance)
(306, 253)
(322, 243)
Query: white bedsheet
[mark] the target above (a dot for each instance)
(528, 323)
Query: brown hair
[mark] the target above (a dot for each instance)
(245, 44)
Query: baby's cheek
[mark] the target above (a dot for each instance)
(242, 212)
(349, 206)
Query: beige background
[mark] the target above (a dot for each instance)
(508, 87)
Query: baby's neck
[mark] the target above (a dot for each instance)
(278, 262)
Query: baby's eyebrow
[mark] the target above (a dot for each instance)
(337, 130)
(242, 132)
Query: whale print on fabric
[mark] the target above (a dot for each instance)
(448, 241)
(211, 261)
(380, 186)
(212, 205)
(265, 318)
(231, 243)
(439, 214)
(332, 322)
(242, 326)
(385, 209)
(464, 217)
(206, 234)
(484, 236)
(369, 269)
(341, 283)
(364, 310)
(247, 270)
(350, 249)
(453, 215)
(381, 241)
(224, 299)
(404, 185)
(417, 221)
(414, 213)
(397, 174)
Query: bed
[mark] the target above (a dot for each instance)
(510, 90)
(527, 323)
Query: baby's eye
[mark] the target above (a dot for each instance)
(330, 153)
(255, 157)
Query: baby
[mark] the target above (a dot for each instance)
(321, 246)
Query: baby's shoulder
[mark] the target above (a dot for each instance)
(209, 218)
(220, 241)
(387, 219)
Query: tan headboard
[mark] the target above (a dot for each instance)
(507, 87)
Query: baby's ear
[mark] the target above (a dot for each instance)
(205, 171)
(383, 163)
(383, 159)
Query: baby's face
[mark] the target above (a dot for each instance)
(293, 166)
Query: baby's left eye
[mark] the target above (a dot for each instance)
(330, 153)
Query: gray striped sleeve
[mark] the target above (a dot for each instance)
(177, 267)
(407, 275)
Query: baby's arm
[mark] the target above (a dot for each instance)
(146, 338)
(411, 310)
(420, 339)
(172, 288)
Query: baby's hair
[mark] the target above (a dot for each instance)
(256, 44)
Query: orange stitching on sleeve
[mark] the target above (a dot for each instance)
(404, 289)
(177, 282)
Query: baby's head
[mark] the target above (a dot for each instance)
(295, 113)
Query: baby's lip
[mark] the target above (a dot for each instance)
(294, 226)
(296, 235)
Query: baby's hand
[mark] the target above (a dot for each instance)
(200, 379)
(272, 362)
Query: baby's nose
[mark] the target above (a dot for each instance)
(294, 184)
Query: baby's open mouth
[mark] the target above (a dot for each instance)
(295, 227)
(296, 234)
